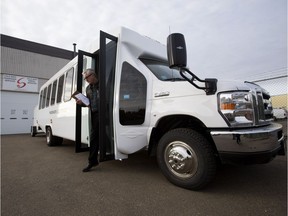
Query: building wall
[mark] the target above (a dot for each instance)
(27, 64)
(280, 101)
(24, 63)
(25, 67)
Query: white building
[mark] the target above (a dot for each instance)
(25, 66)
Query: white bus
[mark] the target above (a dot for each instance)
(151, 100)
(55, 113)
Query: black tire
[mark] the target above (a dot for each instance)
(33, 131)
(52, 140)
(186, 158)
(59, 140)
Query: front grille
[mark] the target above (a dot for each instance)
(262, 104)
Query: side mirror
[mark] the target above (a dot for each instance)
(176, 50)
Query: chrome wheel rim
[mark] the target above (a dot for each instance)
(181, 159)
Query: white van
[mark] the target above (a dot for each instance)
(149, 100)
(279, 113)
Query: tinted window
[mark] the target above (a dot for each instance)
(54, 85)
(48, 96)
(41, 99)
(133, 90)
(44, 97)
(68, 85)
(60, 89)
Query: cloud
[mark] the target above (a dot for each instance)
(224, 38)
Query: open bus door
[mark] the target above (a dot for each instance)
(107, 60)
(103, 61)
(85, 60)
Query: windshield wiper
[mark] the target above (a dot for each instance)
(175, 79)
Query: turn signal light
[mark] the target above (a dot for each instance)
(227, 106)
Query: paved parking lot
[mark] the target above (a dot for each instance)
(41, 180)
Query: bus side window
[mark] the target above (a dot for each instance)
(54, 85)
(40, 100)
(43, 99)
(60, 89)
(48, 96)
(68, 85)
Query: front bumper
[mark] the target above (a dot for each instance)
(253, 145)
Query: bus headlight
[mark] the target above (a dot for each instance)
(237, 108)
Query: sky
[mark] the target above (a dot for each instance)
(241, 39)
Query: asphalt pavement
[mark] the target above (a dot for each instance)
(40, 180)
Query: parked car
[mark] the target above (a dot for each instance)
(279, 113)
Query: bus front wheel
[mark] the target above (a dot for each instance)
(186, 158)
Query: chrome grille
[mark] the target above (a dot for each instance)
(263, 111)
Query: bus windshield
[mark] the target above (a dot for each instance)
(162, 71)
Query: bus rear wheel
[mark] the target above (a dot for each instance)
(51, 139)
(186, 158)
(33, 131)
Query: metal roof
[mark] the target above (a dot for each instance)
(20, 44)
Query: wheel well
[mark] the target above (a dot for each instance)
(47, 126)
(177, 121)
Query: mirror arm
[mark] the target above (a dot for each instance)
(210, 84)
